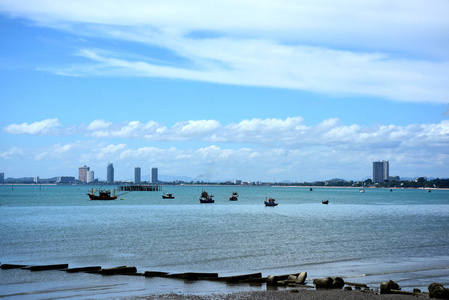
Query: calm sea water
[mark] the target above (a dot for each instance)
(368, 237)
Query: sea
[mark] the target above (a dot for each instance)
(380, 235)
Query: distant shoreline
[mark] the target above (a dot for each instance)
(366, 187)
(217, 184)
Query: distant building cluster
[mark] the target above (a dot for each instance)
(87, 176)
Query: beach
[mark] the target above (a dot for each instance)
(288, 295)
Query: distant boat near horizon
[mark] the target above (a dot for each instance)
(102, 195)
(168, 196)
(206, 198)
(271, 202)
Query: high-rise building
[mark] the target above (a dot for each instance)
(2, 177)
(82, 173)
(153, 176)
(137, 175)
(90, 176)
(110, 173)
(381, 171)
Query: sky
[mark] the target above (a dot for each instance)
(224, 90)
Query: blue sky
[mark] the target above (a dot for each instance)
(269, 91)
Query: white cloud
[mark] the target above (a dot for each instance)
(195, 128)
(98, 124)
(36, 128)
(289, 133)
(396, 50)
(12, 152)
(109, 151)
(316, 159)
(264, 63)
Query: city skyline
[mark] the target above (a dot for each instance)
(380, 174)
(255, 91)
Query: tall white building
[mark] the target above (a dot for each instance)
(381, 171)
(137, 175)
(82, 173)
(90, 176)
(153, 175)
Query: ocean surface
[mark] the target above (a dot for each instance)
(370, 237)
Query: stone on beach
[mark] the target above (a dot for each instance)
(389, 287)
(438, 291)
(301, 278)
(290, 279)
(329, 283)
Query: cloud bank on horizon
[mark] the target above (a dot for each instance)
(394, 50)
(270, 143)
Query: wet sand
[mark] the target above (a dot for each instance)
(288, 295)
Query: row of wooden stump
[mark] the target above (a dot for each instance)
(436, 290)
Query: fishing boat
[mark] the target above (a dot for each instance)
(102, 195)
(270, 202)
(234, 196)
(168, 196)
(325, 201)
(206, 198)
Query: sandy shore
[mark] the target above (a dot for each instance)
(288, 295)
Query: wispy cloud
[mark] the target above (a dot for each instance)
(37, 128)
(396, 50)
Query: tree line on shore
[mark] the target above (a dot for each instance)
(418, 183)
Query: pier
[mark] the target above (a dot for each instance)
(140, 188)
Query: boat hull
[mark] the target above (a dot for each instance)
(270, 203)
(96, 197)
(207, 201)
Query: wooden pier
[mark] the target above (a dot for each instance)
(140, 188)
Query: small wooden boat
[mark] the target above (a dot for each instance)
(234, 196)
(206, 198)
(270, 202)
(102, 195)
(325, 202)
(168, 196)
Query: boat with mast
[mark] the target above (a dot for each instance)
(102, 195)
(234, 196)
(270, 202)
(168, 196)
(206, 198)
